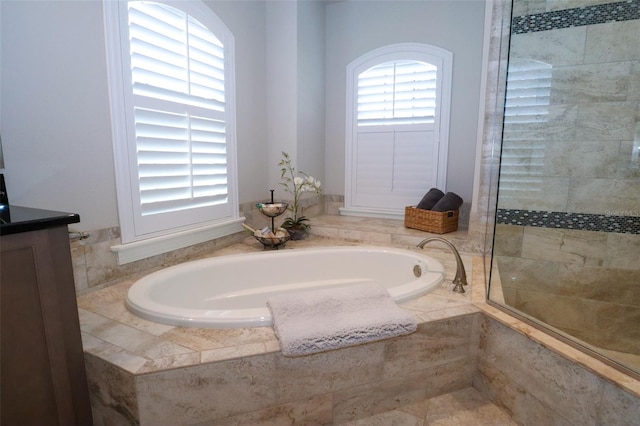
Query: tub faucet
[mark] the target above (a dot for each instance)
(460, 279)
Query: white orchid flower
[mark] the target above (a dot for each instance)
(313, 182)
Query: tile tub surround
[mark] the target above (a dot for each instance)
(541, 380)
(149, 373)
(123, 352)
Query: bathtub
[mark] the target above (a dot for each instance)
(231, 291)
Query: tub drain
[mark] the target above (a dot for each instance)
(417, 271)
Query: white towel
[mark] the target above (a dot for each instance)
(313, 321)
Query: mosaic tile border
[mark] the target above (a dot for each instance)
(588, 15)
(624, 222)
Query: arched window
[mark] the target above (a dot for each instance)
(397, 128)
(171, 79)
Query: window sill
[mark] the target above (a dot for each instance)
(138, 250)
(369, 212)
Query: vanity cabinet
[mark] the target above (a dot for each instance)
(42, 372)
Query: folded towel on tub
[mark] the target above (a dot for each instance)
(314, 321)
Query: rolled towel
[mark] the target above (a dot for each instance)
(430, 199)
(450, 201)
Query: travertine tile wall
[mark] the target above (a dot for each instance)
(584, 283)
(325, 388)
(576, 153)
(540, 387)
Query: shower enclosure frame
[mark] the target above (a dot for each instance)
(498, 57)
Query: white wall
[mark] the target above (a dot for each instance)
(246, 20)
(56, 132)
(357, 27)
(282, 67)
(311, 88)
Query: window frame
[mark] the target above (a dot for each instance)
(443, 59)
(185, 228)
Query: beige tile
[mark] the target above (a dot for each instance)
(613, 326)
(555, 47)
(301, 377)
(526, 140)
(566, 279)
(582, 158)
(557, 311)
(440, 314)
(109, 302)
(368, 400)
(112, 393)
(465, 407)
(528, 7)
(508, 240)
(613, 195)
(79, 265)
(232, 352)
(618, 407)
(438, 300)
(113, 354)
(169, 362)
(564, 245)
(128, 338)
(626, 167)
(606, 121)
(206, 392)
(612, 42)
(522, 406)
(313, 411)
(536, 193)
(600, 82)
(200, 339)
(623, 251)
(432, 344)
(572, 4)
(557, 383)
(389, 418)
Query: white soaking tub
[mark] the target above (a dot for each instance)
(232, 291)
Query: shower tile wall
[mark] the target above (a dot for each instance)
(570, 148)
(568, 220)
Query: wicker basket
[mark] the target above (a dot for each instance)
(430, 221)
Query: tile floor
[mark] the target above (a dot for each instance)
(466, 407)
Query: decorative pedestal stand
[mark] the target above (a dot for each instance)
(273, 210)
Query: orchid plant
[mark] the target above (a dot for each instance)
(296, 183)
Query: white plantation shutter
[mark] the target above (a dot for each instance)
(177, 71)
(398, 92)
(397, 115)
(179, 117)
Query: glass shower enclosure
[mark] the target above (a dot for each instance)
(566, 247)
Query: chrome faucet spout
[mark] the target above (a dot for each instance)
(460, 279)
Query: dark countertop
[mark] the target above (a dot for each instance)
(24, 219)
